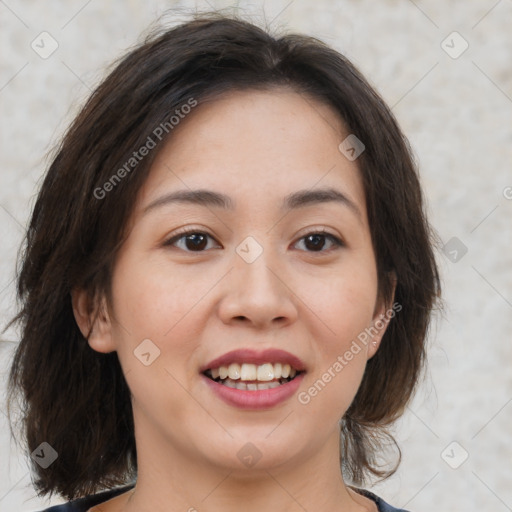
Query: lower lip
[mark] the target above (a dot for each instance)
(262, 399)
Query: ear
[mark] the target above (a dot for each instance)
(93, 320)
(382, 315)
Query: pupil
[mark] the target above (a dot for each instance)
(197, 241)
(318, 242)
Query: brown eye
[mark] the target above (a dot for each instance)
(197, 241)
(191, 241)
(315, 242)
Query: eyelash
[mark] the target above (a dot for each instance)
(337, 242)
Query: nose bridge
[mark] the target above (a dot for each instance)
(257, 291)
(258, 274)
(256, 266)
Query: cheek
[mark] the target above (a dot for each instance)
(151, 301)
(344, 303)
(344, 308)
(155, 335)
(336, 375)
(152, 331)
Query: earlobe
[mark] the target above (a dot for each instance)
(378, 329)
(93, 320)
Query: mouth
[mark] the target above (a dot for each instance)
(253, 377)
(247, 377)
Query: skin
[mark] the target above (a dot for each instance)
(256, 147)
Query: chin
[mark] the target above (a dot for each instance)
(253, 450)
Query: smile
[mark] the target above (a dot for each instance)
(252, 377)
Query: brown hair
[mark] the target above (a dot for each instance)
(77, 399)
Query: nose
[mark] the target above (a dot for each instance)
(258, 294)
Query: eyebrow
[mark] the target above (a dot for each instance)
(299, 199)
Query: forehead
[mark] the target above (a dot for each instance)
(257, 146)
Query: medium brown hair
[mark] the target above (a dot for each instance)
(75, 398)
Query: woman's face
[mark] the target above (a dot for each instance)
(280, 270)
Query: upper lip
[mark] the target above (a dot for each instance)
(247, 355)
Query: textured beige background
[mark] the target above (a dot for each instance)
(457, 114)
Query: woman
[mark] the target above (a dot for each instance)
(227, 282)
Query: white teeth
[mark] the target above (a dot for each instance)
(251, 386)
(265, 372)
(234, 371)
(250, 372)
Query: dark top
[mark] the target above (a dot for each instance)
(83, 504)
